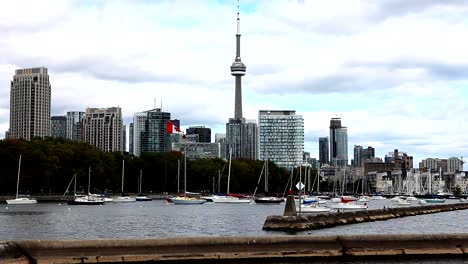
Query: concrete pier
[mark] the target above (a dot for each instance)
(263, 249)
(318, 221)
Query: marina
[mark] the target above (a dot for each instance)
(158, 218)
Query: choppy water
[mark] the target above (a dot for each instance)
(160, 219)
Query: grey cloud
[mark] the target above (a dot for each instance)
(384, 10)
(435, 69)
(339, 83)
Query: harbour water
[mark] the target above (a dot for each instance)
(160, 219)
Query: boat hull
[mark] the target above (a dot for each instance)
(143, 199)
(272, 200)
(74, 202)
(21, 201)
(187, 201)
(124, 199)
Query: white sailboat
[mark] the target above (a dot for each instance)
(266, 199)
(20, 200)
(184, 199)
(123, 198)
(227, 198)
(140, 197)
(84, 199)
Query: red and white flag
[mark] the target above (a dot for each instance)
(172, 129)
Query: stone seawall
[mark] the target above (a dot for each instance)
(311, 221)
(263, 249)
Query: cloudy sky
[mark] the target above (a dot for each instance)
(395, 71)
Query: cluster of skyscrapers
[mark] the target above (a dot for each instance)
(278, 136)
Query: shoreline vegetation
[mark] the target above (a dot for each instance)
(49, 164)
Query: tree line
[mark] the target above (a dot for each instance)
(48, 165)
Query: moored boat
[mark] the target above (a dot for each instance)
(268, 200)
(187, 200)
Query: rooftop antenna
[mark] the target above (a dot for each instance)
(155, 102)
(161, 105)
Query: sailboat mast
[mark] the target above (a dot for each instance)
(229, 171)
(89, 179)
(318, 179)
(178, 175)
(74, 187)
(139, 187)
(185, 174)
(123, 169)
(17, 181)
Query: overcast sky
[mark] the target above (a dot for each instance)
(395, 71)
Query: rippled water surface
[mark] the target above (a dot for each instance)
(160, 219)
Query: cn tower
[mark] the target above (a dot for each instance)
(238, 70)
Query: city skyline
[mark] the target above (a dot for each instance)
(392, 70)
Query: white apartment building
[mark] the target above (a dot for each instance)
(281, 137)
(102, 127)
(30, 104)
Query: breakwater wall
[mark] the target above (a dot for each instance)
(263, 249)
(318, 221)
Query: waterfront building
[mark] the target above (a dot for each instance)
(241, 135)
(357, 156)
(58, 126)
(198, 150)
(454, 164)
(338, 143)
(124, 138)
(204, 133)
(74, 125)
(149, 131)
(281, 137)
(102, 127)
(221, 139)
(30, 95)
(241, 139)
(361, 154)
(323, 150)
(130, 139)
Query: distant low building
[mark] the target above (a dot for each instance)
(198, 150)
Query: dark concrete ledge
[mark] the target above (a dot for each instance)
(264, 249)
(318, 221)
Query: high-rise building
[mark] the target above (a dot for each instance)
(454, 164)
(241, 139)
(221, 139)
(130, 139)
(124, 138)
(198, 150)
(58, 126)
(74, 125)
(281, 137)
(361, 154)
(367, 154)
(30, 104)
(102, 127)
(204, 133)
(149, 131)
(241, 135)
(338, 143)
(323, 150)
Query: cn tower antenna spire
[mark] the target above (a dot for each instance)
(238, 70)
(238, 19)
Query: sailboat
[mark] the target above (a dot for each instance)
(84, 199)
(140, 197)
(228, 198)
(20, 200)
(269, 199)
(184, 199)
(123, 198)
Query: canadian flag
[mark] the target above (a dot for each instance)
(172, 129)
